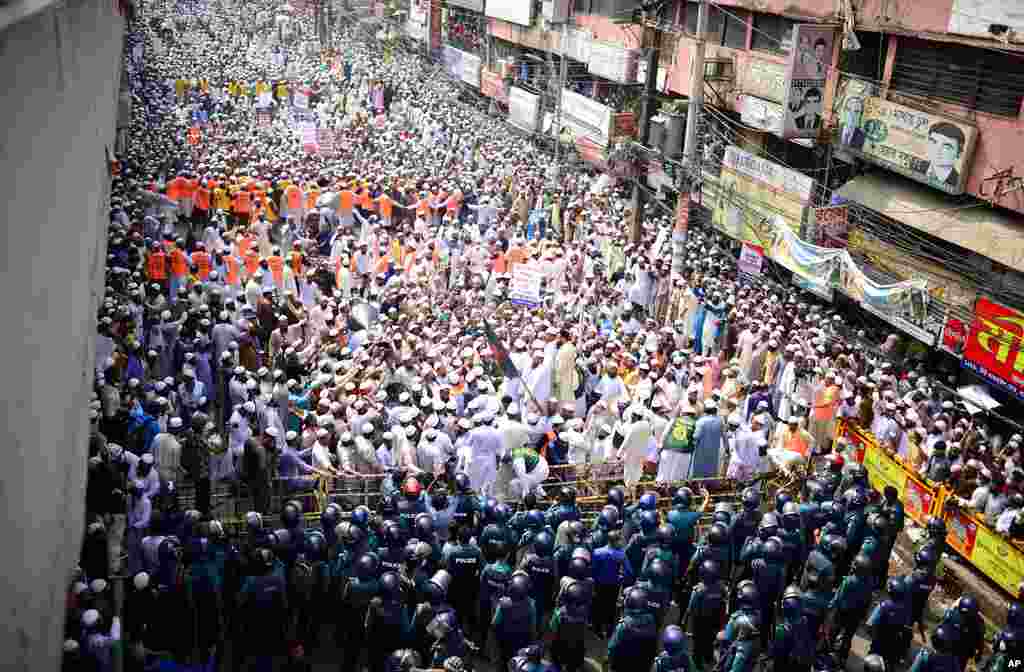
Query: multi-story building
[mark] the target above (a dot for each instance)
(906, 118)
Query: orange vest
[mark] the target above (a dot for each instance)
(188, 189)
(179, 266)
(311, 197)
(231, 266)
(825, 403)
(243, 202)
(346, 201)
(293, 196)
(386, 206)
(366, 200)
(382, 265)
(796, 442)
(156, 266)
(176, 188)
(296, 259)
(423, 207)
(202, 262)
(203, 198)
(244, 245)
(252, 261)
(499, 264)
(276, 264)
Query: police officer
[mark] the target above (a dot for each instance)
(263, 606)
(684, 521)
(833, 475)
(704, 612)
(611, 570)
(793, 541)
(635, 639)
(565, 509)
(530, 659)
(515, 618)
(656, 579)
(876, 543)
(495, 578)
(854, 522)
(889, 623)
(394, 554)
(793, 645)
(573, 533)
(769, 575)
(935, 543)
(467, 503)
(449, 641)
(942, 657)
(714, 547)
(743, 527)
(311, 587)
(568, 628)
(674, 656)
(739, 644)
(920, 584)
(539, 564)
(433, 604)
(965, 617)
(464, 562)
(359, 591)
(631, 514)
(387, 621)
(850, 605)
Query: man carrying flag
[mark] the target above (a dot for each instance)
(501, 357)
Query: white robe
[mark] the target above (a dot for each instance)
(634, 450)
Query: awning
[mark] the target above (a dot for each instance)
(981, 229)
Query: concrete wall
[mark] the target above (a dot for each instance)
(59, 78)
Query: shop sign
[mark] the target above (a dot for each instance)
(902, 323)
(493, 85)
(954, 335)
(930, 149)
(995, 346)
(809, 62)
(764, 79)
(613, 62)
(514, 11)
(522, 109)
(760, 113)
(595, 118)
(472, 5)
(471, 69)
(577, 45)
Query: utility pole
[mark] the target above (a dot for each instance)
(691, 166)
(562, 74)
(651, 45)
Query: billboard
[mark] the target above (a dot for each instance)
(809, 63)
(995, 346)
(925, 147)
(522, 108)
(513, 11)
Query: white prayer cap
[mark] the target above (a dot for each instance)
(367, 428)
(90, 618)
(141, 581)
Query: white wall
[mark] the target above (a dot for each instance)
(59, 79)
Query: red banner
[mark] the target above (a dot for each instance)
(962, 533)
(954, 335)
(995, 346)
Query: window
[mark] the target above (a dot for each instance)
(724, 30)
(772, 33)
(869, 60)
(978, 79)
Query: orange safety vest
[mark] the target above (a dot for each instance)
(276, 264)
(366, 200)
(231, 266)
(156, 266)
(188, 189)
(244, 245)
(382, 265)
(243, 202)
(311, 197)
(296, 259)
(347, 199)
(175, 188)
(252, 261)
(499, 263)
(179, 265)
(203, 198)
(825, 403)
(386, 206)
(796, 442)
(423, 207)
(293, 196)
(202, 262)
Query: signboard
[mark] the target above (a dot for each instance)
(753, 192)
(809, 63)
(954, 335)
(822, 291)
(473, 5)
(976, 17)
(525, 286)
(764, 79)
(613, 62)
(760, 113)
(995, 346)
(522, 108)
(470, 70)
(514, 11)
(917, 501)
(833, 225)
(925, 147)
(415, 26)
(595, 118)
(577, 44)
(751, 259)
(452, 59)
(905, 325)
(991, 554)
(493, 86)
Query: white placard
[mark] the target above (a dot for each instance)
(751, 259)
(301, 99)
(522, 108)
(471, 69)
(595, 117)
(613, 62)
(525, 287)
(515, 11)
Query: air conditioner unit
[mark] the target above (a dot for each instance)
(556, 11)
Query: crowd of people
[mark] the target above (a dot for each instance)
(309, 274)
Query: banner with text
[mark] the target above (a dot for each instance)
(809, 61)
(995, 346)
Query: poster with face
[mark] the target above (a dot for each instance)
(809, 63)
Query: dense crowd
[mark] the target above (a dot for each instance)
(310, 258)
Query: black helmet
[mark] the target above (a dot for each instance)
(673, 640)
(709, 571)
(896, 586)
(1015, 616)
(648, 501)
(835, 547)
(636, 599)
(925, 557)
(424, 527)
(393, 535)
(967, 605)
(666, 534)
(544, 543)
(439, 501)
(567, 495)
(361, 516)
(608, 518)
(529, 501)
(578, 568)
(854, 498)
(575, 595)
(682, 497)
(330, 516)
(862, 565)
(936, 528)
(781, 500)
(367, 565)
(617, 497)
(874, 663)
(879, 523)
(462, 482)
(774, 551)
(316, 545)
(390, 585)
(291, 513)
(518, 586)
(718, 534)
(751, 500)
(943, 639)
(747, 595)
(769, 526)
(264, 559)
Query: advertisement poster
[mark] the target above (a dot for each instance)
(759, 113)
(833, 224)
(595, 118)
(962, 531)
(809, 63)
(954, 336)
(995, 346)
(525, 287)
(754, 192)
(820, 290)
(933, 150)
(917, 501)
(751, 259)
